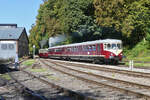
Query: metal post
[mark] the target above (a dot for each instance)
(131, 64)
(33, 51)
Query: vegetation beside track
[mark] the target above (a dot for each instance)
(5, 76)
(28, 62)
(140, 53)
(87, 20)
(38, 70)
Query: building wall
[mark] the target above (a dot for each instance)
(23, 45)
(8, 49)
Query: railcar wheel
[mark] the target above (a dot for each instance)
(106, 61)
(115, 62)
(95, 61)
(68, 59)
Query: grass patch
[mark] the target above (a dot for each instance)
(141, 52)
(5, 76)
(52, 78)
(141, 59)
(38, 70)
(146, 59)
(140, 65)
(28, 62)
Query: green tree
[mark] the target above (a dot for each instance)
(130, 17)
(64, 17)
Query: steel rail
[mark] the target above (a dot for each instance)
(101, 76)
(100, 83)
(125, 72)
(77, 95)
(24, 88)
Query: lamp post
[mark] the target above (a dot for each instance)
(33, 51)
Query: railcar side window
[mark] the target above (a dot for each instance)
(76, 49)
(4, 46)
(68, 49)
(98, 47)
(94, 48)
(58, 50)
(90, 48)
(51, 50)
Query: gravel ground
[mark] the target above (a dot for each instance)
(9, 92)
(104, 80)
(44, 90)
(97, 92)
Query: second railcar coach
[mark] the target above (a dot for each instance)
(43, 53)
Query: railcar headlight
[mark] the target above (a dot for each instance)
(111, 54)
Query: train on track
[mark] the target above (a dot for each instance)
(107, 51)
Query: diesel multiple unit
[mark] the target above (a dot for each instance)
(108, 50)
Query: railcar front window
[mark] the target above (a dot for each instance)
(108, 46)
(114, 46)
(119, 46)
(105, 46)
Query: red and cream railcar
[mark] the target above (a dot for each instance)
(108, 50)
(43, 53)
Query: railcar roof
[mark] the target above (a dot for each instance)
(89, 43)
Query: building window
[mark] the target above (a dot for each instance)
(11, 46)
(4, 46)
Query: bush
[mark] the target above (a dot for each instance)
(140, 50)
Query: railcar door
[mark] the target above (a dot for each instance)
(98, 49)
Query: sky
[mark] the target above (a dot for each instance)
(20, 12)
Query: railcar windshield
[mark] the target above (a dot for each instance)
(119, 46)
(43, 51)
(113, 46)
(108, 46)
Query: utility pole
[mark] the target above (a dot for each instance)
(33, 51)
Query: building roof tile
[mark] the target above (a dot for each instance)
(11, 33)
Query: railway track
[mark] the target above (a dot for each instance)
(68, 94)
(112, 70)
(121, 85)
(75, 95)
(21, 89)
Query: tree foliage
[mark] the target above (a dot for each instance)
(65, 17)
(130, 17)
(84, 20)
